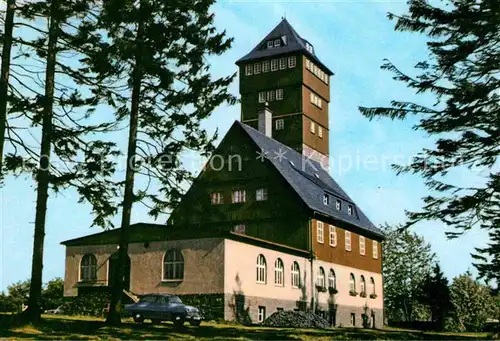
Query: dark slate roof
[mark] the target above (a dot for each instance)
(310, 181)
(294, 44)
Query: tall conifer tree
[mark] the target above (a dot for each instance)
(463, 74)
(160, 49)
(5, 70)
(69, 154)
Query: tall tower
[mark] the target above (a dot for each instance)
(283, 71)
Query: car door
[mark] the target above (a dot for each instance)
(148, 306)
(164, 308)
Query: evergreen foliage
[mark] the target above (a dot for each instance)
(462, 72)
(436, 295)
(157, 51)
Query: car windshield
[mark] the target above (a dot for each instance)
(148, 299)
(175, 299)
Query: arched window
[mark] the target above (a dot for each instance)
(332, 283)
(372, 283)
(352, 283)
(173, 266)
(88, 268)
(363, 284)
(295, 275)
(321, 280)
(261, 269)
(279, 272)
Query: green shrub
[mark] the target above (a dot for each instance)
(211, 305)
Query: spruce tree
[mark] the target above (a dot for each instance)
(4, 72)
(70, 153)
(160, 50)
(435, 293)
(462, 72)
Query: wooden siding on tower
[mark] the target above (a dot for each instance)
(314, 82)
(311, 110)
(313, 140)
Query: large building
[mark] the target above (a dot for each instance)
(264, 227)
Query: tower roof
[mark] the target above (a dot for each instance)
(292, 42)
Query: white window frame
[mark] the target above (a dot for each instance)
(280, 124)
(261, 269)
(270, 96)
(270, 44)
(279, 94)
(333, 236)
(249, 69)
(261, 316)
(292, 61)
(274, 65)
(338, 205)
(282, 63)
(362, 245)
(279, 273)
(265, 66)
(375, 249)
(261, 194)
(321, 277)
(295, 275)
(216, 198)
(238, 196)
(350, 210)
(332, 281)
(320, 131)
(313, 127)
(308, 64)
(348, 240)
(277, 42)
(176, 265)
(325, 199)
(320, 232)
(257, 68)
(362, 284)
(88, 271)
(262, 97)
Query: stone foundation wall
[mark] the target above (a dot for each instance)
(245, 309)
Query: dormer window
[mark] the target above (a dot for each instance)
(270, 44)
(349, 210)
(325, 199)
(277, 42)
(338, 205)
(309, 48)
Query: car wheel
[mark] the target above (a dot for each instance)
(138, 318)
(195, 323)
(178, 320)
(154, 321)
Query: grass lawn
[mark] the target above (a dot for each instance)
(89, 328)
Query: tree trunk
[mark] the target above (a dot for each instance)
(4, 73)
(128, 198)
(43, 175)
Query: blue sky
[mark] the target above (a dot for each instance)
(351, 38)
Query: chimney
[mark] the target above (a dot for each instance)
(266, 120)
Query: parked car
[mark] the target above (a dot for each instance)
(58, 311)
(163, 307)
